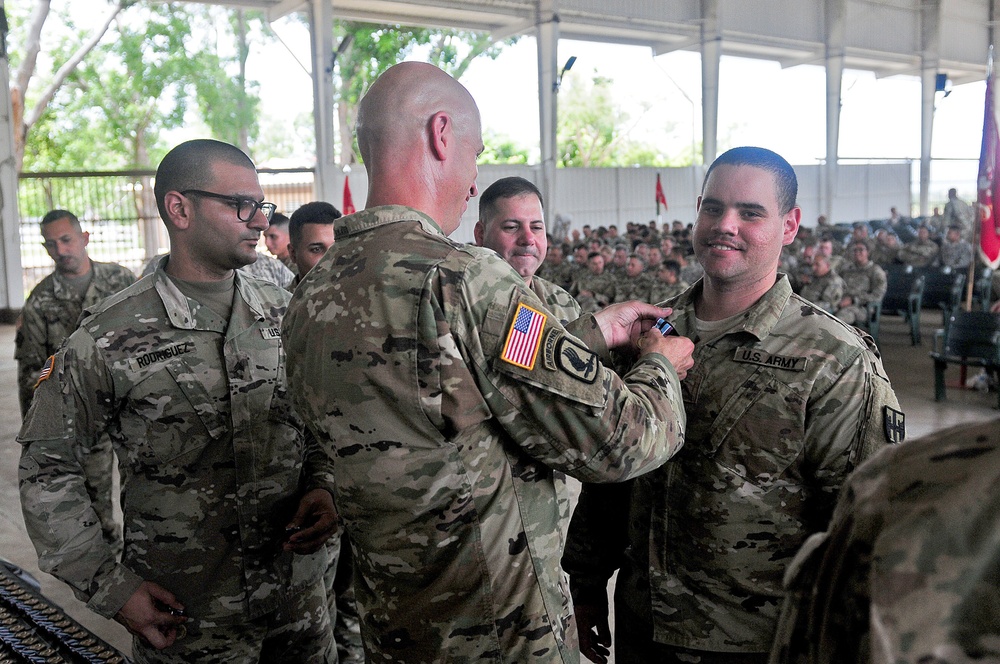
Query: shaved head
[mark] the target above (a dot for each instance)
(419, 134)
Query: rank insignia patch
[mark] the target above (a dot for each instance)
(524, 337)
(576, 360)
(895, 425)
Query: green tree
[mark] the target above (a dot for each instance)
(501, 149)
(365, 50)
(71, 47)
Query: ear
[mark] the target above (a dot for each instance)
(291, 251)
(697, 205)
(478, 233)
(441, 134)
(179, 209)
(86, 237)
(791, 225)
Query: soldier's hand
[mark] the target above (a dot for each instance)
(623, 323)
(595, 633)
(675, 348)
(314, 523)
(153, 614)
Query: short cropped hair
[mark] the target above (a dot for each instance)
(786, 184)
(278, 220)
(56, 215)
(189, 165)
(504, 188)
(317, 212)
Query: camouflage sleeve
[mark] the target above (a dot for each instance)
(30, 352)
(558, 400)
(71, 407)
(857, 416)
(833, 293)
(595, 545)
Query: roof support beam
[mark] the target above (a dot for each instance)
(321, 35)
(835, 16)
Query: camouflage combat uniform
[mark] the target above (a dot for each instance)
(593, 291)
(50, 314)
(661, 290)
(825, 292)
(632, 288)
(445, 451)
(213, 460)
(779, 410)
(863, 284)
(918, 253)
(956, 255)
(556, 299)
(909, 569)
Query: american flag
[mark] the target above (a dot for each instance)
(524, 337)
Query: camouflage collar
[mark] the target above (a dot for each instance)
(380, 216)
(182, 315)
(758, 319)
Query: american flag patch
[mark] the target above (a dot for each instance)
(46, 370)
(524, 338)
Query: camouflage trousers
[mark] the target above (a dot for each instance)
(853, 315)
(339, 581)
(634, 645)
(299, 635)
(98, 464)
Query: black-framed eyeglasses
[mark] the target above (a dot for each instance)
(246, 208)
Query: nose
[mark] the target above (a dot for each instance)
(525, 237)
(259, 220)
(729, 222)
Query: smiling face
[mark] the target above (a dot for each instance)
(740, 229)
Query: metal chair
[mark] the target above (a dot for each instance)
(972, 338)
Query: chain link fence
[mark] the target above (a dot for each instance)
(119, 211)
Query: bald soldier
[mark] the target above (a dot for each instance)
(449, 397)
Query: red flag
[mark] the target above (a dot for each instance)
(989, 180)
(660, 198)
(348, 207)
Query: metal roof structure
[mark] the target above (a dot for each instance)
(883, 36)
(926, 38)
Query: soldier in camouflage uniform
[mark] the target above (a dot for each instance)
(668, 282)
(824, 287)
(50, 314)
(782, 403)
(405, 356)
(594, 287)
(185, 371)
(512, 223)
(922, 252)
(909, 569)
(634, 284)
(864, 282)
(956, 252)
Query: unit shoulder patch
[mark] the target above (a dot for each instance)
(577, 360)
(894, 422)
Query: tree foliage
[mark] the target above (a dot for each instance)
(161, 67)
(365, 50)
(593, 130)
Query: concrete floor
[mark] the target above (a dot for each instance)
(909, 368)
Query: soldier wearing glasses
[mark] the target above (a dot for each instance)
(226, 502)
